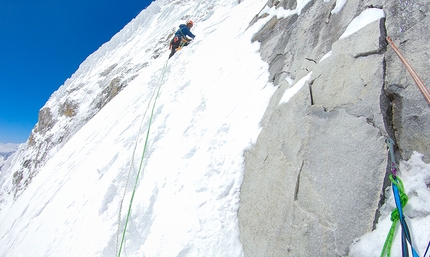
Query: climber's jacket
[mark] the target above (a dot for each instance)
(182, 32)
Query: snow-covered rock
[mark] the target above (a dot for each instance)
(263, 137)
(312, 182)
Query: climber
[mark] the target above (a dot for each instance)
(181, 38)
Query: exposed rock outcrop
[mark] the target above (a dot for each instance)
(314, 179)
(63, 115)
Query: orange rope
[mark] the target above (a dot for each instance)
(417, 79)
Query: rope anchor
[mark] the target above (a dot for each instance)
(401, 199)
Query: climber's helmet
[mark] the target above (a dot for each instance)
(190, 23)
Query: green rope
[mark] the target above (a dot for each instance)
(129, 170)
(142, 157)
(386, 250)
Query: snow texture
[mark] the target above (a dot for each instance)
(212, 96)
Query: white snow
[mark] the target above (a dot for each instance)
(327, 55)
(365, 18)
(294, 89)
(282, 13)
(415, 175)
(300, 5)
(212, 96)
(339, 6)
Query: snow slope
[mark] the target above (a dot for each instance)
(185, 163)
(212, 97)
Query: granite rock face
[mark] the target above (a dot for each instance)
(314, 179)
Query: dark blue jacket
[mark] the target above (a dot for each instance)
(184, 31)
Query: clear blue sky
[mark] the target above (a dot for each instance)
(42, 44)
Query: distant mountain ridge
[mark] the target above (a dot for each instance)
(268, 137)
(6, 150)
(9, 147)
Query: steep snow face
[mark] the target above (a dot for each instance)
(172, 160)
(99, 79)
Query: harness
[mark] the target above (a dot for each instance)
(179, 38)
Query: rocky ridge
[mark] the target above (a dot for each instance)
(84, 94)
(314, 180)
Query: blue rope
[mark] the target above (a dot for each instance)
(406, 237)
(401, 200)
(428, 246)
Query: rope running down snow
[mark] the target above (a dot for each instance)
(155, 94)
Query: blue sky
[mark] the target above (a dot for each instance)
(42, 44)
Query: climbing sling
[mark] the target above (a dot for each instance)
(401, 200)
